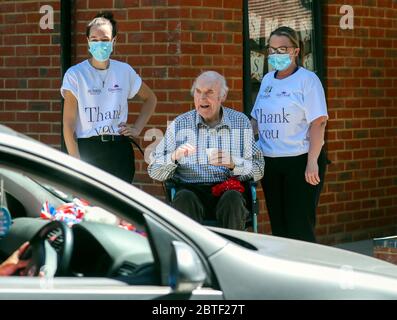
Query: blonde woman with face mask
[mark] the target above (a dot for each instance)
(96, 93)
(289, 116)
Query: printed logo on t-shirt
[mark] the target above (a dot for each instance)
(283, 94)
(266, 92)
(94, 91)
(115, 88)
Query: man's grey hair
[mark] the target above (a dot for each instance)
(212, 76)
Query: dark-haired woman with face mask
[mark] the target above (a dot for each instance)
(290, 115)
(96, 93)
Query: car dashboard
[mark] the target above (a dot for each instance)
(107, 250)
(99, 250)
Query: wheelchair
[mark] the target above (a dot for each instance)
(170, 189)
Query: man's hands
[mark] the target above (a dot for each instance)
(184, 150)
(217, 158)
(13, 264)
(221, 159)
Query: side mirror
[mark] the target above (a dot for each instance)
(187, 272)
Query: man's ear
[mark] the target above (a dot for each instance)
(223, 97)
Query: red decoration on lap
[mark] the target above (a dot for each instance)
(230, 184)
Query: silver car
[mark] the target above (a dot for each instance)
(129, 245)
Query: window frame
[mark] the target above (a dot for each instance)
(316, 42)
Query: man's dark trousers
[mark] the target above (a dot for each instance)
(197, 202)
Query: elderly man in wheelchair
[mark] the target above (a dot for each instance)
(207, 157)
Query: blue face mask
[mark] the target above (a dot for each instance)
(280, 61)
(100, 50)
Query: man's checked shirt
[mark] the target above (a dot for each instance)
(233, 135)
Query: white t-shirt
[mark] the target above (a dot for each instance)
(284, 110)
(101, 95)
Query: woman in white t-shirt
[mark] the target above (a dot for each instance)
(96, 93)
(290, 115)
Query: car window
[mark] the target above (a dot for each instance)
(105, 243)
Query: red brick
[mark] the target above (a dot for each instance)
(131, 26)
(191, 25)
(27, 28)
(38, 83)
(125, 49)
(27, 116)
(212, 49)
(14, 40)
(172, 36)
(191, 48)
(27, 94)
(16, 18)
(53, 140)
(99, 4)
(140, 60)
(39, 127)
(153, 25)
(49, 95)
(233, 4)
(20, 127)
(202, 13)
(201, 37)
(166, 60)
(50, 117)
(126, 3)
(8, 94)
(139, 14)
(7, 116)
(141, 37)
(7, 7)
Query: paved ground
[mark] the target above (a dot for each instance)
(363, 247)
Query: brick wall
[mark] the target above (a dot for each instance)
(169, 42)
(360, 196)
(30, 71)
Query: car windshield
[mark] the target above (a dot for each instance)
(57, 193)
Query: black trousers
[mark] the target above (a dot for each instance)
(197, 202)
(115, 157)
(290, 200)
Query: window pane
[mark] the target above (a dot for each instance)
(263, 18)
